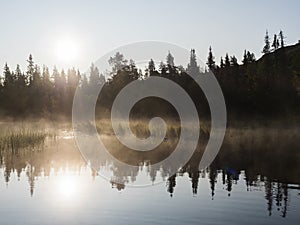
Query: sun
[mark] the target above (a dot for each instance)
(67, 49)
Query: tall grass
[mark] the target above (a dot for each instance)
(20, 138)
(141, 128)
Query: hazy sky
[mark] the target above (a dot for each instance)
(96, 27)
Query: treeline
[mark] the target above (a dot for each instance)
(268, 86)
(38, 92)
(265, 86)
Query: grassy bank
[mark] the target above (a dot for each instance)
(20, 137)
(141, 128)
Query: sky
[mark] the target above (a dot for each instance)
(89, 29)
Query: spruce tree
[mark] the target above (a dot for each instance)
(245, 58)
(151, 67)
(222, 64)
(227, 60)
(193, 68)
(170, 60)
(8, 76)
(275, 43)
(266, 48)
(281, 38)
(233, 61)
(211, 60)
(30, 69)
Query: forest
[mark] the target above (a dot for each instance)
(268, 86)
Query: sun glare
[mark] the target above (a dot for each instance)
(67, 49)
(67, 187)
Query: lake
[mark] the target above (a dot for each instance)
(255, 179)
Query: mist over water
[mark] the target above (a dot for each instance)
(255, 162)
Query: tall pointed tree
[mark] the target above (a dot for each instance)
(227, 60)
(275, 43)
(222, 64)
(245, 58)
(151, 68)
(251, 57)
(8, 76)
(30, 69)
(281, 39)
(211, 60)
(162, 68)
(170, 59)
(266, 48)
(20, 77)
(192, 67)
(170, 64)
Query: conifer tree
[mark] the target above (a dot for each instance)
(170, 60)
(193, 68)
(211, 60)
(227, 60)
(281, 39)
(151, 67)
(8, 76)
(275, 43)
(266, 48)
(222, 64)
(30, 69)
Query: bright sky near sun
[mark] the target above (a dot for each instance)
(76, 33)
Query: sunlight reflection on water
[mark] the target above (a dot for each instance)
(54, 185)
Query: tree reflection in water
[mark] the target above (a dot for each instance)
(256, 157)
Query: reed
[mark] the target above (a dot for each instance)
(141, 128)
(20, 138)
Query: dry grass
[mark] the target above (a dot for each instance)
(141, 128)
(22, 137)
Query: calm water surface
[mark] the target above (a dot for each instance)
(254, 180)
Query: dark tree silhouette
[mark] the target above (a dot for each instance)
(211, 60)
(281, 39)
(275, 43)
(227, 60)
(248, 58)
(266, 48)
(233, 61)
(151, 68)
(267, 86)
(30, 69)
(222, 64)
(171, 184)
